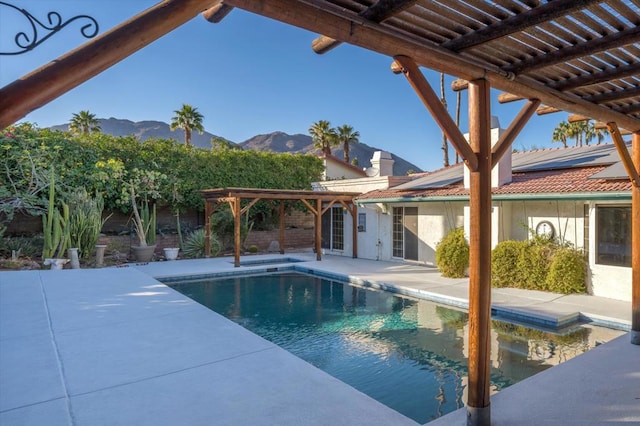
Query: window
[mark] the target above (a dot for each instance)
(337, 228)
(362, 222)
(613, 235)
(398, 232)
(333, 229)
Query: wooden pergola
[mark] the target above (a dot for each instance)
(580, 56)
(317, 202)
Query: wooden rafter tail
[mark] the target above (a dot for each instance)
(217, 13)
(624, 154)
(576, 118)
(459, 85)
(603, 126)
(437, 110)
(505, 98)
(544, 110)
(323, 44)
(518, 123)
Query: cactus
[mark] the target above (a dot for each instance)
(144, 221)
(55, 226)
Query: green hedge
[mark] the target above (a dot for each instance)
(538, 264)
(101, 163)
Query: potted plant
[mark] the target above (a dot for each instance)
(144, 222)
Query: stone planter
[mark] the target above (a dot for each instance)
(143, 254)
(56, 264)
(171, 253)
(73, 255)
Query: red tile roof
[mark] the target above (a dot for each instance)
(567, 181)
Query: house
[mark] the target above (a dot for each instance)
(581, 195)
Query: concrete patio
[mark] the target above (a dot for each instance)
(116, 346)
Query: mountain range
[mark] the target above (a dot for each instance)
(273, 142)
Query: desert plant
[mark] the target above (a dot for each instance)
(195, 242)
(144, 220)
(452, 254)
(567, 272)
(253, 248)
(86, 221)
(21, 246)
(55, 226)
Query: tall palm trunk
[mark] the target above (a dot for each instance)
(445, 145)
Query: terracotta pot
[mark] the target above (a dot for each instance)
(143, 254)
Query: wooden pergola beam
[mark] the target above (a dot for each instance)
(614, 95)
(623, 71)
(439, 113)
(337, 23)
(627, 161)
(543, 13)
(620, 38)
(377, 12)
(45, 84)
(514, 129)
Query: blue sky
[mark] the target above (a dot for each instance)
(247, 75)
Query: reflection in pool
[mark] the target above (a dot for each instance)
(408, 354)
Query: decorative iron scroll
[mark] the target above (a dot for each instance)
(29, 40)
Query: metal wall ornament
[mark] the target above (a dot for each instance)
(28, 40)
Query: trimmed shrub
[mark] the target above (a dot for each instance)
(533, 265)
(567, 273)
(504, 260)
(452, 254)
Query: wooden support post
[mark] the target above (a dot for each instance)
(45, 84)
(236, 231)
(635, 245)
(281, 226)
(353, 209)
(318, 214)
(478, 408)
(207, 228)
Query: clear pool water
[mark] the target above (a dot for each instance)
(408, 354)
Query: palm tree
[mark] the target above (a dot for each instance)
(346, 136)
(593, 132)
(561, 133)
(84, 123)
(187, 118)
(323, 135)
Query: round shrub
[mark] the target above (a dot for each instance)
(452, 254)
(567, 273)
(533, 265)
(504, 259)
(253, 248)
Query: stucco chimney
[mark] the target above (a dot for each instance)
(501, 173)
(382, 161)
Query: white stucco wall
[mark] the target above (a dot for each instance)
(609, 281)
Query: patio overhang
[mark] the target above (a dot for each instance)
(580, 56)
(316, 202)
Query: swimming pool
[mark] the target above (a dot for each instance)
(408, 354)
